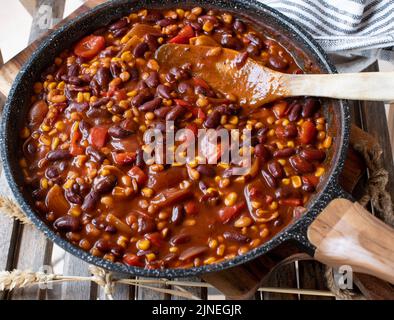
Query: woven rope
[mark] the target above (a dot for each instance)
(380, 198)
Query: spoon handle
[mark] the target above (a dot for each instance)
(371, 86)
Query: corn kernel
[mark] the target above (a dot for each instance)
(234, 120)
(69, 183)
(150, 257)
(290, 144)
(319, 172)
(174, 249)
(38, 86)
(107, 201)
(52, 86)
(75, 212)
(44, 183)
(273, 205)
(132, 94)
(86, 96)
(153, 65)
(327, 142)
(143, 245)
(224, 183)
(147, 192)
(208, 26)
(127, 56)
(227, 18)
(286, 181)
(243, 222)
(230, 199)
(202, 102)
(209, 260)
(256, 204)
(264, 233)
(285, 122)
(190, 223)
(296, 182)
(270, 120)
(213, 244)
(55, 143)
(220, 250)
(80, 97)
(23, 163)
(271, 133)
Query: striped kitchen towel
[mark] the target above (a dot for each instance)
(354, 32)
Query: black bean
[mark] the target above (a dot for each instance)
(73, 197)
(213, 120)
(178, 215)
(164, 91)
(105, 185)
(118, 132)
(52, 172)
(95, 154)
(59, 155)
(140, 50)
(206, 170)
(67, 224)
(235, 236)
(175, 113)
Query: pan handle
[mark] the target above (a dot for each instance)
(347, 234)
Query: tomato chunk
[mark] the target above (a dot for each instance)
(75, 148)
(124, 158)
(183, 36)
(139, 175)
(200, 82)
(89, 46)
(98, 136)
(228, 213)
(132, 260)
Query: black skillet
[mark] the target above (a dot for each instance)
(301, 45)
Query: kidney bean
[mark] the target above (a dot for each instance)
(178, 214)
(73, 70)
(73, 197)
(211, 19)
(310, 107)
(290, 131)
(141, 98)
(192, 252)
(170, 258)
(277, 63)
(95, 88)
(52, 172)
(164, 91)
(60, 72)
(255, 40)
(284, 153)
(175, 113)
(308, 132)
(295, 112)
(213, 120)
(228, 41)
(151, 105)
(206, 170)
(151, 40)
(179, 73)
(98, 113)
(270, 180)
(185, 88)
(235, 236)
(140, 162)
(95, 154)
(106, 246)
(59, 155)
(37, 113)
(276, 169)
(118, 132)
(141, 86)
(105, 185)
(152, 17)
(307, 186)
(108, 52)
(140, 50)
(229, 110)
(239, 26)
(116, 69)
(90, 200)
(162, 112)
(100, 102)
(165, 22)
(84, 127)
(134, 74)
(67, 224)
(73, 80)
(262, 152)
(312, 154)
(78, 107)
(120, 32)
(103, 77)
(146, 225)
(300, 165)
(120, 24)
(180, 239)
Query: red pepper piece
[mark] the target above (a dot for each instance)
(75, 148)
(124, 158)
(228, 213)
(98, 136)
(308, 132)
(132, 260)
(183, 36)
(139, 175)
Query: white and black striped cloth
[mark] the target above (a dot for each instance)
(354, 32)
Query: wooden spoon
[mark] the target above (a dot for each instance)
(232, 73)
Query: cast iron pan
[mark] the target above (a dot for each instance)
(286, 31)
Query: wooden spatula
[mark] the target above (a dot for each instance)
(253, 84)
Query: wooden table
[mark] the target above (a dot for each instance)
(25, 248)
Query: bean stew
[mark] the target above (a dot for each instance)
(82, 147)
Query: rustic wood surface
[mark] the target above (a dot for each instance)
(23, 247)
